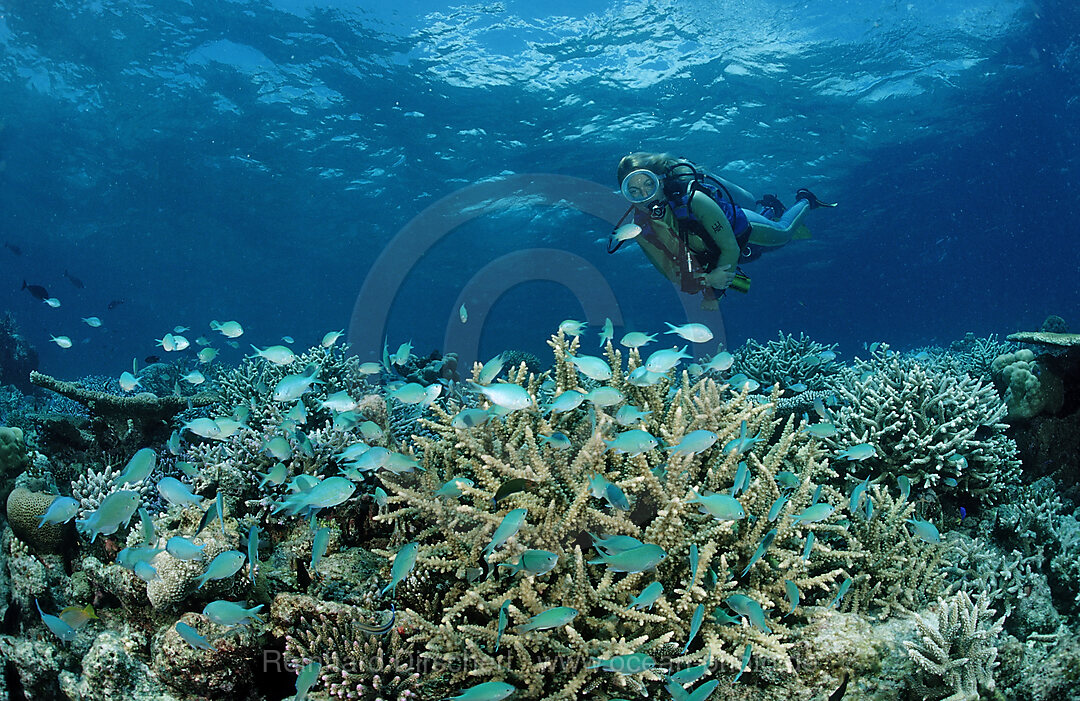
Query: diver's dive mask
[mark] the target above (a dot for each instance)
(642, 187)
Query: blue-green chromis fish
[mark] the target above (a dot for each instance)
(693, 564)
(633, 663)
(745, 606)
(777, 507)
(57, 625)
(905, 487)
(742, 479)
(502, 623)
(632, 442)
(138, 468)
(700, 694)
(745, 662)
(766, 541)
(145, 571)
(253, 551)
(220, 500)
(813, 514)
(859, 452)
(307, 677)
(533, 562)
(488, 691)
(787, 480)
(115, 510)
(690, 674)
(925, 530)
(318, 547)
(223, 566)
(557, 440)
(551, 618)
(616, 498)
(694, 442)
(808, 547)
(695, 626)
(615, 544)
(793, 594)
(647, 597)
(844, 586)
(192, 637)
(857, 495)
(451, 489)
(722, 507)
(183, 549)
(61, 510)
(640, 559)
(176, 492)
(404, 561)
(508, 527)
(230, 613)
(146, 527)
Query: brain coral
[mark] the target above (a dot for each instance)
(24, 512)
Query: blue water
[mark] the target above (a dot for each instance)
(251, 161)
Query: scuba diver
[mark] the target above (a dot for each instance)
(696, 228)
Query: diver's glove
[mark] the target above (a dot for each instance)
(804, 194)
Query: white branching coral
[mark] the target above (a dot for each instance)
(957, 651)
(788, 361)
(942, 430)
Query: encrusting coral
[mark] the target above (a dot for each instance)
(458, 611)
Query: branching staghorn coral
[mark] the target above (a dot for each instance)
(457, 613)
(957, 650)
(355, 664)
(789, 360)
(934, 427)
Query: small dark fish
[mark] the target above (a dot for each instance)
(13, 248)
(518, 484)
(151, 359)
(984, 432)
(381, 629)
(209, 516)
(115, 303)
(37, 290)
(842, 689)
(74, 280)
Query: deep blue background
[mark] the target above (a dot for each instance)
(249, 161)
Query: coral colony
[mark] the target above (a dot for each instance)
(773, 522)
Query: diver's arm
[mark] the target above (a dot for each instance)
(743, 198)
(717, 225)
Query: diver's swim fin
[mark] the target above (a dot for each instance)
(804, 194)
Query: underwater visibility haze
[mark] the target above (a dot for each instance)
(319, 377)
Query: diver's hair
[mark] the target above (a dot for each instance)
(659, 163)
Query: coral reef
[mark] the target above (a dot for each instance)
(941, 430)
(18, 358)
(13, 457)
(460, 614)
(1028, 392)
(431, 368)
(24, 512)
(788, 361)
(355, 664)
(957, 652)
(144, 406)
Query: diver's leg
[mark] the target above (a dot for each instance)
(766, 232)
